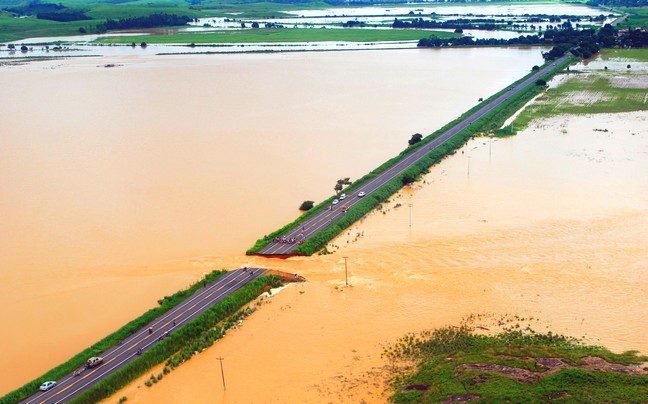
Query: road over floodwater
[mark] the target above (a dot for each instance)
(116, 357)
(326, 218)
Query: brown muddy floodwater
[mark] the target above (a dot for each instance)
(551, 223)
(121, 185)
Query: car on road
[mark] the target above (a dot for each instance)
(47, 385)
(342, 197)
(94, 361)
(361, 194)
(335, 201)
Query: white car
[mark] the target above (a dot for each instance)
(335, 201)
(342, 197)
(361, 194)
(47, 385)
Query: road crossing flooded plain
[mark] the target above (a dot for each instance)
(124, 184)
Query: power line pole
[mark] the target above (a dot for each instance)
(490, 146)
(346, 272)
(222, 371)
(410, 215)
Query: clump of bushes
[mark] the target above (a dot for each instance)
(306, 205)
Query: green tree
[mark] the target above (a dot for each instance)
(541, 82)
(341, 183)
(408, 178)
(255, 25)
(415, 139)
(306, 205)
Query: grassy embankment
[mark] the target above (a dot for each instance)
(515, 365)
(278, 35)
(603, 91)
(637, 17)
(180, 346)
(489, 123)
(199, 331)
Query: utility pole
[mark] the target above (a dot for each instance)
(222, 372)
(468, 166)
(490, 146)
(346, 272)
(410, 215)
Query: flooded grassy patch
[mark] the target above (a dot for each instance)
(590, 93)
(515, 364)
(638, 54)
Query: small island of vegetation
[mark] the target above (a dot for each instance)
(516, 364)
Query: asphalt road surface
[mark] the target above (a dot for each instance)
(327, 217)
(119, 355)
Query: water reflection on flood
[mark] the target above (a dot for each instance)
(83, 49)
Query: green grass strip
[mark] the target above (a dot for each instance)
(78, 360)
(279, 35)
(627, 55)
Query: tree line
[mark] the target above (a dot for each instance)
(491, 23)
(582, 43)
(150, 21)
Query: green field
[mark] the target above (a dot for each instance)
(638, 17)
(14, 29)
(516, 365)
(590, 93)
(636, 55)
(279, 35)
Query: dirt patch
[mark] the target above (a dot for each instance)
(553, 365)
(600, 364)
(461, 398)
(630, 81)
(417, 387)
(586, 97)
(521, 375)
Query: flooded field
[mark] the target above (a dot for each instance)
(122, 185)
(548, 224)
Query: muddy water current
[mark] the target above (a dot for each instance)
(122, 185)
